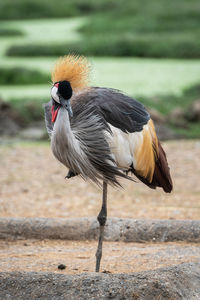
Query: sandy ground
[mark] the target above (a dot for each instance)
(33, 185)
(78, 257)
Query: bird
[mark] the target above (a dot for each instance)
(102, 135)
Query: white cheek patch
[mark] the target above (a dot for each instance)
(54, 94)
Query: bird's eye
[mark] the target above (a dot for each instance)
(54, 94)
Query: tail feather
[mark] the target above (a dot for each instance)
(161, 176)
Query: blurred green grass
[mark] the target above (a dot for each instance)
(145, 28)
(22, 76)
(7, 31)
(45, 30)
(135, 76)
(110, 28)
(35, 9)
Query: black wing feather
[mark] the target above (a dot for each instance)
(119, 110)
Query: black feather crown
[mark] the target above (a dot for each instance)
(65, 89)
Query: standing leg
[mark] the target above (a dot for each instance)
(102, 216)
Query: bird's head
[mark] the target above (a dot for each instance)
(61, 93)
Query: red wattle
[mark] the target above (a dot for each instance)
(54, 113)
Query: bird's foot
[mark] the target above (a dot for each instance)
(70, 174)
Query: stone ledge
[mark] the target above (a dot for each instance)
(126, 230)
(178, 282)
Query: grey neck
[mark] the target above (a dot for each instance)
(69, 150)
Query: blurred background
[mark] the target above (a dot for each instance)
(148, 49)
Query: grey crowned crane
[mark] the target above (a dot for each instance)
(101, 134)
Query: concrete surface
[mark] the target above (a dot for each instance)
(179, 282)
(126, 230)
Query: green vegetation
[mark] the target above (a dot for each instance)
(28, 110)
(40, 50)
(166, 103)
(22, 76)
(6, 32)
(144, 29)
(50, 31)
(134, 76)
(192, 131)
(23, 9)
(122, 40)
(147, 29)
(141, 46)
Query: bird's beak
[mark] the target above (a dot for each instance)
(67, 105)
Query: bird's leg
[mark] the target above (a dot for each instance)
(102, 216)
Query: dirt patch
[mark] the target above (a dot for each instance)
(78, 257)
(33, 185)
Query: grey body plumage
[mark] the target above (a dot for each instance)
(80, 143)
